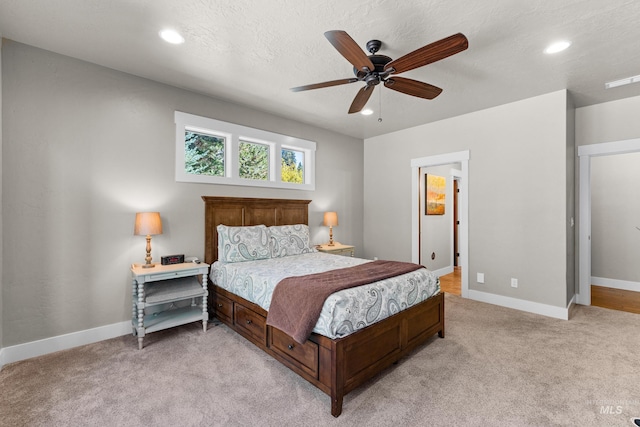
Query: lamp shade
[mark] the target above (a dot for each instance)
(147, 223)
(330, 219)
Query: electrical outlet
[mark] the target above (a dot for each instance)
(480, 278)
(514, 283)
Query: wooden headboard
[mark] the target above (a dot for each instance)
(237, 211)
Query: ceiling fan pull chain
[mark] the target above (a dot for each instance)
(380, 107)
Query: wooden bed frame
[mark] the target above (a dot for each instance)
(335, 366)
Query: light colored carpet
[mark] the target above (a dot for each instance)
(495, 367)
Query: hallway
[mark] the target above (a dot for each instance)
(452, 283)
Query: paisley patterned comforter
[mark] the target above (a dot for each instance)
(343, 312)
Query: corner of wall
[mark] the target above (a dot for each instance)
(1, 229)
(572, 183)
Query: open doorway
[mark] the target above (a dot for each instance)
(586, 154)
(439, 221)
(452, 283)
(418, 194)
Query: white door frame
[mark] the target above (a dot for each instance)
(456, 175)
(585, 152)
(461, 157)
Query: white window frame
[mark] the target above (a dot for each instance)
(233, 133)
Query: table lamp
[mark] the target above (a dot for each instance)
(148, 223)
(331, 220)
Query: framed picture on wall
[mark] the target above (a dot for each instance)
(435, 194)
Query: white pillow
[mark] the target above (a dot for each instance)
(290, 240)
(237, 244)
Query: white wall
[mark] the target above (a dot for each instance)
(517, 194)
(85, 147)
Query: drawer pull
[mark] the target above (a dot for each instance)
(248, 322)
(220, 305)
(290, 346)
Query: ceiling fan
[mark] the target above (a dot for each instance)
(375, 69)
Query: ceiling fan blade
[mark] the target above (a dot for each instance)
(413, 87)
(349, 49)
(430, 53)
(324, 84)
(361, 99)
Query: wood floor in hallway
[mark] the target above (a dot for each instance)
(616, 299)
(452, 283)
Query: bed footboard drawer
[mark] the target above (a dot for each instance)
(425, 321)
(250, 322)
(223, 307)
(304, 356)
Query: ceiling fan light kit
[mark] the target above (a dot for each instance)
(374, 69)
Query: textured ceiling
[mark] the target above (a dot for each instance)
(252, 52)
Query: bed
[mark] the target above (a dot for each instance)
(335, 362)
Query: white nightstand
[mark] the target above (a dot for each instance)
(337, 249)
(168, 285)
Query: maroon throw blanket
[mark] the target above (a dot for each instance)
(297, 301)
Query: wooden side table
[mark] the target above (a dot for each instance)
(337, 249)
(168, 284)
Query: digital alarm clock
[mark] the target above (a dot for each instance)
(172, 259)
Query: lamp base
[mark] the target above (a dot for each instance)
(148, 258)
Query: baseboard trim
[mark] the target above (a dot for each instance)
(443, 271)
(624, 285)
(63, 342)
(571, 307)
(31, 349)
(520, 304)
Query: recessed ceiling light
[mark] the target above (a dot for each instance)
(557, 46)
(171, 36)
(622, 82)
(367, 112)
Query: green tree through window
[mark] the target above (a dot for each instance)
(292, 172)
(203, 154)
(216, 152)
(254, 161)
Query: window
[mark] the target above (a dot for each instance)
(292, 166)
(203, 154)
(216, 152)
(254, 161)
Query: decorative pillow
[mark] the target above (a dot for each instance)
(236, 244)
(290, 240)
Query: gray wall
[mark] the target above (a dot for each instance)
(518, 182)
(615, 196)
(85, 147)
(607, 122)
